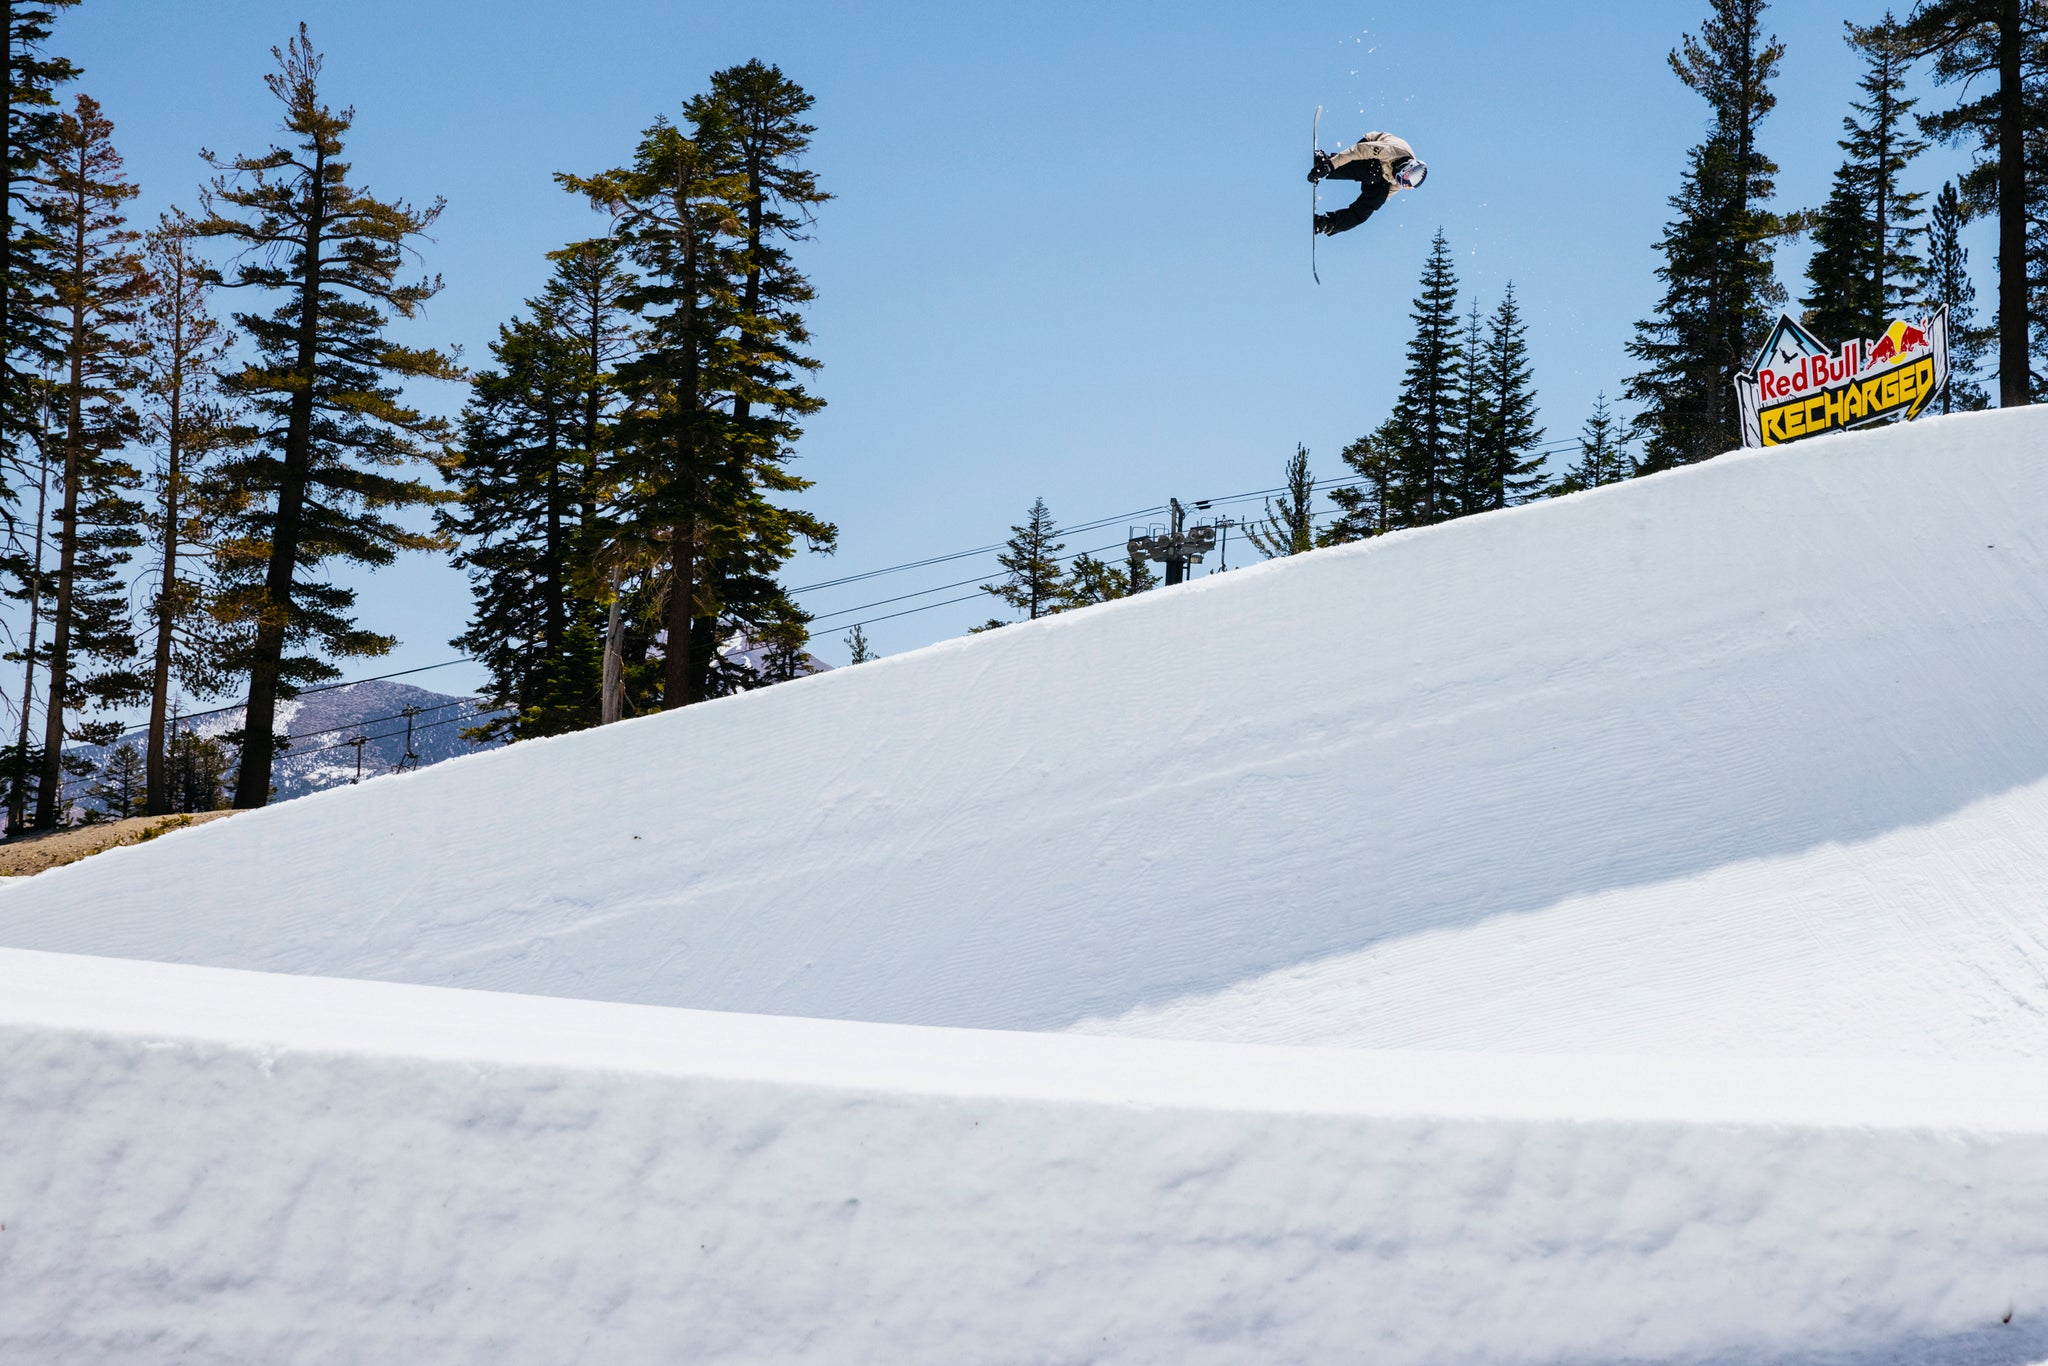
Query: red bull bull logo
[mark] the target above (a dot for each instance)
(1800, 386)
(1899, 340)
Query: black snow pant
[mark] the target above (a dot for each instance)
(1373, 190)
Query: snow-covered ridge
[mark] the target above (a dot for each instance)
(217, 1166)
(1748, 760)
(1745, 759)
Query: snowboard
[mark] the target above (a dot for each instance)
(1315, 187)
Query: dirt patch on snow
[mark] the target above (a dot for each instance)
(54, 848)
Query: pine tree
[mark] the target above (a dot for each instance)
(523, 476)
(1888, 144)
(1720, 297)
(584, 301)
(1682, 418)
(122, 785)
(1427, 411)
(28, 349)
(199, 767)
(28, 121)
(320, 484)
(1864, 270)
(857, 651)
(1032, 582)
(716, 388)
(1843, 300)
(1509, 436)
(1993, 49)
(26, 566)
(1138, 574)
(672, 211)
(1603, 454)
(186, 422)
(1366, 501)
(753, 117)
(97, 282)
(782, 660)
(1289, 527)
(1090, 581)
(1948, 283)
(1473, 479)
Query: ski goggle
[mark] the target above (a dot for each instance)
(1411, 173)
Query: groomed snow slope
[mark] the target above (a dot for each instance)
(1748, 758)
(210, 1167)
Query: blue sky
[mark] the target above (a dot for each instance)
(1069, 250)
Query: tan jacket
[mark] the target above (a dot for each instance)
(1384, 148)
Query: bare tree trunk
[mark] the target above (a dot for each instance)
(50, 789)
(614, 660)
(155, 784)
(259, 740)
(677, 684)
(17, 804)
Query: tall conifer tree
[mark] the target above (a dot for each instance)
(28, 120)
(1720, 296)
(673, 210)
(1032, 582)
(1864, 269)
(1427, 412)
(1365, 502)
(1948, 283)
(325, 478)
(1509, 437)
(186, 422)
(26, 564)
(1995, 51)
(706, 212)
(1603, 454)
(97, 283)
(1289, 526)
(28, 342)
(758, 115)
(524, 473)
(584, 299)
(1473, 479)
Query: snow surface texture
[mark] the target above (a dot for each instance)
(206, 1167)
(1749, 758)
(1743, 758)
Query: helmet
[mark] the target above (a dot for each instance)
(1410, 173)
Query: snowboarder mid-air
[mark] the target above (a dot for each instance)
(1381, 164)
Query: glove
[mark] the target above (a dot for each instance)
(1321, 169)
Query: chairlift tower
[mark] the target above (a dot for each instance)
(1176, 546)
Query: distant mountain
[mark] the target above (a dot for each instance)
(322, 724)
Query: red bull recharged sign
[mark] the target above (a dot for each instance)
(1801, 387)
